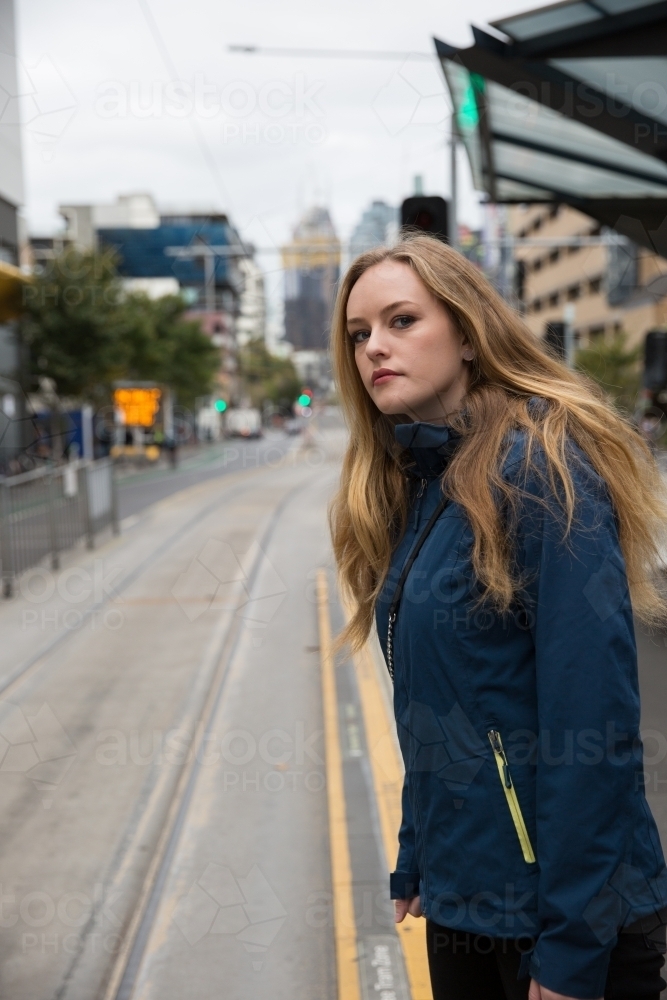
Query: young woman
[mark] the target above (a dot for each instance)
(500, 522)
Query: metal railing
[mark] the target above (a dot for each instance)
(46, 511)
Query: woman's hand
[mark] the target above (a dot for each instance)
(537, 992)
(404, 906)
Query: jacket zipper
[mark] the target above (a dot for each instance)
(390, 644)
(418, 499)
(510, 795)
(392, 616)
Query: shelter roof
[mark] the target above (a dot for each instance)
(568, 103)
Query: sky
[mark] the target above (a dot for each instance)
(127, 96)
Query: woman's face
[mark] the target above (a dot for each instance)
(411, 357)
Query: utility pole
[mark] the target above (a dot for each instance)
(453, 178)
(209, 253)
(209, 281)
(569, 313)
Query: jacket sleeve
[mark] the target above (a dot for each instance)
(404, 882)
(577, 605)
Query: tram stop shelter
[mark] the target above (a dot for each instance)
(568, 104)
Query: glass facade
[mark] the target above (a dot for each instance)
(143, 252)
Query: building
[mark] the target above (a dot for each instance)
(11, 161)
(597, 289)
(194, 252)
(197, 255)
(251, 320)
(130, 211)
(378, 226)
(312, 265)
(557, 111)
(14, 424)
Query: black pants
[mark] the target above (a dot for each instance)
(467, 966)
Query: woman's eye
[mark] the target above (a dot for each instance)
(359, 336)
(403, 322)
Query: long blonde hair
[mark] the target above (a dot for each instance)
(510, 367)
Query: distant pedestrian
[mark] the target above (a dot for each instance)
(171, 444)
(500, 523)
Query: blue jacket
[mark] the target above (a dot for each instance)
(524, 811)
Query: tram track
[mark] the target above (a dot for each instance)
(121, 980)
(143, 817)
(164, 812)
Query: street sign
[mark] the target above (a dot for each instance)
(138, 407)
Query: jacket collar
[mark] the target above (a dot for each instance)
(430, 445)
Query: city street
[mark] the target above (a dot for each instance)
(166, 758)
(104, 686)
(222, 226)
(164, 780)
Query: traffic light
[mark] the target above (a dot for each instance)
(428, 213)
(554, 338)
(220, 405)
(655, 360)
(305, 397)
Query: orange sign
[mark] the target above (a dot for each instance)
(138, 406)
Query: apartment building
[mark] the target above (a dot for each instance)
(599, 289)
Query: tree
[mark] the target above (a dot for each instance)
(615, 367)
(160, 345)
(266, 377)
(71, 323)
(84, 332)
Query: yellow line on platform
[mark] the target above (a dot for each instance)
(387, 773)
(345, 931)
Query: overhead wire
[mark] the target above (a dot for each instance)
(194, 124)
(329, 53)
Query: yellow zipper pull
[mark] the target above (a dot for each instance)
(511, 796)
(497, 744)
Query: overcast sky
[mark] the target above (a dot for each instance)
(143, 95)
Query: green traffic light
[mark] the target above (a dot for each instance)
(304, 400)
(220, 405)
(468, 116)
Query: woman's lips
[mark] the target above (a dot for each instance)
(383, 375)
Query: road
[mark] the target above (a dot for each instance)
(141, 488)
(167, 760)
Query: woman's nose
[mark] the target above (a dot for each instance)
(376, 345)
